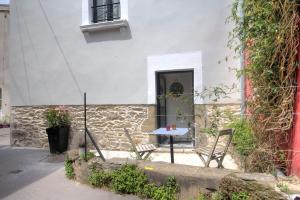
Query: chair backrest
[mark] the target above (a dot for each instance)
(131, 142)
(221, 134)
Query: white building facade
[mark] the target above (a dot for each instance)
(124, 54)
(4, 96)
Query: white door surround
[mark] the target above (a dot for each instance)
(174, 62)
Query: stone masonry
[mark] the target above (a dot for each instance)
(107, 123)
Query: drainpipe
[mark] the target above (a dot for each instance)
(243, 79)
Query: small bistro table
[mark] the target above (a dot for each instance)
(171, 133)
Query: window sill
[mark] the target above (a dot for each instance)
(104, 25)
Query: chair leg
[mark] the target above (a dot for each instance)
(207, 163)
(142, 154)
(147, 155)
(201, 158)
(220, 161)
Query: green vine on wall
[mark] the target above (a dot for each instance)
(267, 33)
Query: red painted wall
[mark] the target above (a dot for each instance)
(295, 153)
(294, 145)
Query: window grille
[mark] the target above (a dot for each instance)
(105, 10)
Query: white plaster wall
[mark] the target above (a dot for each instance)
(4, 17)
(111, 66)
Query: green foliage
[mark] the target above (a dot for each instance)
(217, 196)
(240, 196)
(99, 178)
(201, 197)
(89, 155)
(58, 116)
(149, 190)
(269, 32)
(168, 191)
(243, 138)
(69, 169)
(128, 180)
(283, 188)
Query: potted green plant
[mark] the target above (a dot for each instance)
(58, 121)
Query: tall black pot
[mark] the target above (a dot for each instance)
(58, 138)
(63, 138)
(53, 138)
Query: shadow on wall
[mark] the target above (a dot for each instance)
(124, 33)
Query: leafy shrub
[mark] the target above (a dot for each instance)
(57, 116)
(167, 191)
(243, 138)
(149, 190)
(99, 178)
(283, 188)
(201, 197)
(129, 180)
(69, 169)
(239, 196)
(89, 155)
(217, 196)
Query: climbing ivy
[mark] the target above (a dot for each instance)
(267, 33)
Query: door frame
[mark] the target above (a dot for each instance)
(158, 108)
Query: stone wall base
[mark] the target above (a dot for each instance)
(107, 123)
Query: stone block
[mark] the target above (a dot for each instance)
(255, 190)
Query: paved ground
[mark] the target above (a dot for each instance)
(188, 157)
(34, 175)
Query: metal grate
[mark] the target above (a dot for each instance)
(105, 10)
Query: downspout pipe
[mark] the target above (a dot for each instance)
(242, 65)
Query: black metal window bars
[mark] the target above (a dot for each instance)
(105, 10)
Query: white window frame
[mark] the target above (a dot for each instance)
(87, 25)
(174, 62)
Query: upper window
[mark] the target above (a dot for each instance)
(104, 14)
(105, 10)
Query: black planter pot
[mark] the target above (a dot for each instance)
(58, 138)
(63, 138)
(53, 138)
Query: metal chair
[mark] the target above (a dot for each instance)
(142, 151)
(217, 151)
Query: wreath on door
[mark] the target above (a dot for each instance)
(176, 89)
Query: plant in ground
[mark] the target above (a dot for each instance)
(283, 188)
(268, 33)
(243, 138)
(128, 180)
(69, 169)
(217, 196)
(98, 177)
(168, 191)
(89, 155)
(239, 196)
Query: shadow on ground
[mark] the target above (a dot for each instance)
(21, 167)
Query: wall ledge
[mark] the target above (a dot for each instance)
(103, 25)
